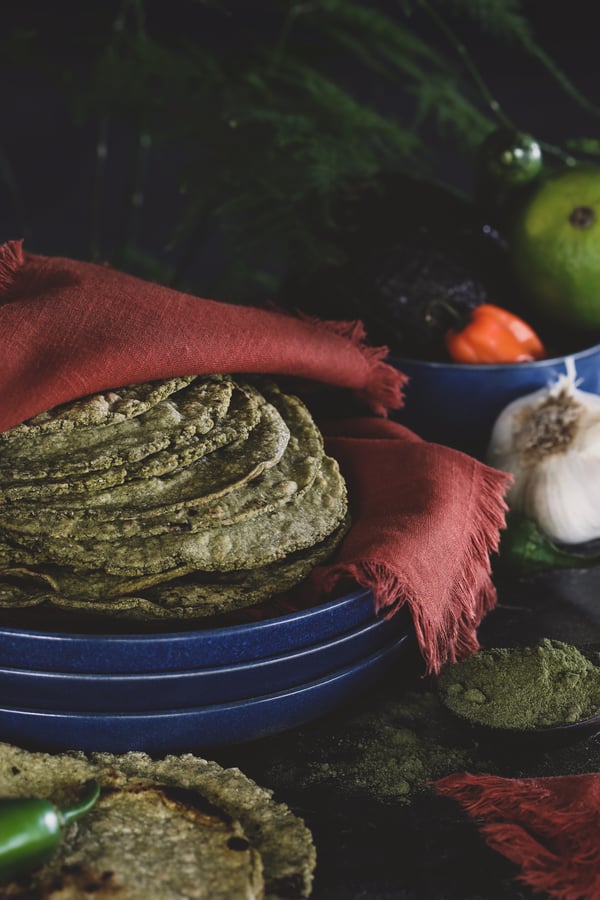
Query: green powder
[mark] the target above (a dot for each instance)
(551, 683)
(389, 750)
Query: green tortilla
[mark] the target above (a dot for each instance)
(93, 488)
(95, 410)
(186, 596)
(289, 477)
(171, 828)
(246, 502)
(191, 411)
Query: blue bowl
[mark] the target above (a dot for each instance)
(22, 688)
(179, 650)
(457, 404)
(199, 728)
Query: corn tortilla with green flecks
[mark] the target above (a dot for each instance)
(176, 827)
(230, 522)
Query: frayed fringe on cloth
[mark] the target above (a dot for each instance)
(550, 827)
(11, 260)
(384, 390)
(472, 593)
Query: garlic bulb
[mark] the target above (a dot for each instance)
(550, 441)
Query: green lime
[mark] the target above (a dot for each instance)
(555, 248)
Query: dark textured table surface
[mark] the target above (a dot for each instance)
(427, 849)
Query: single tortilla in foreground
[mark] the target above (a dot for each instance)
(177, 827)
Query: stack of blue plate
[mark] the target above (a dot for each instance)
(190, 690)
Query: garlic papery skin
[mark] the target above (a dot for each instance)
(550, 441)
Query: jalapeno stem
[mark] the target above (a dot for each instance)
(91, 792)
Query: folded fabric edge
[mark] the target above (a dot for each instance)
(384, 389)
(362, 369)
(471, 596)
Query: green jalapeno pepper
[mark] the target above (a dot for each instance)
(31, 830)
(524, 550)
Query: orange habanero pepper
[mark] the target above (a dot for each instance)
(493, 335)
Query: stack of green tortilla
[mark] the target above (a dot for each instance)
(173, 499)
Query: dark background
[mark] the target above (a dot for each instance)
(48, 158)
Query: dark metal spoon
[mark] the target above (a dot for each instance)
(545, 738)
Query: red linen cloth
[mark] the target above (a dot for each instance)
(425, 517)
(70, 328)
(549, 826)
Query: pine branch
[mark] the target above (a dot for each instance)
(359, 27)
(275, 133)
(441, 100)
(466, 59)
(505, 20)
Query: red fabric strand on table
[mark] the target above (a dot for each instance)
(550, 827)
(425, 517)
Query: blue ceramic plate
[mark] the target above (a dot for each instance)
(180, 650)
(22, 688)
(198, 728)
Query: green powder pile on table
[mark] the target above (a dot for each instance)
(389, 748)
(552, 683)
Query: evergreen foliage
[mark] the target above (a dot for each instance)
(274, 110)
